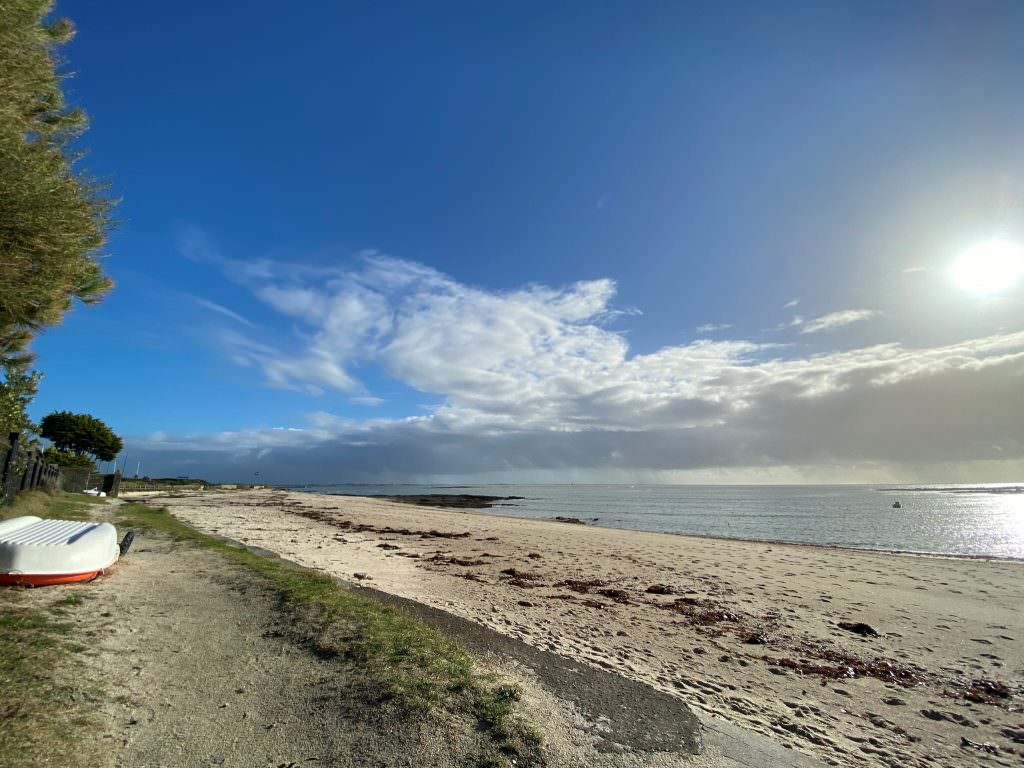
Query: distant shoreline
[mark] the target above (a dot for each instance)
(490, 506)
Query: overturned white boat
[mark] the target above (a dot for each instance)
(37, 552)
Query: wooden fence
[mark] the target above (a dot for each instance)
(131, 484)
(23, 469)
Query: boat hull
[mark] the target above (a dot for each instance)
(36, 552)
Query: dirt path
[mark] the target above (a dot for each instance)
(204, 673)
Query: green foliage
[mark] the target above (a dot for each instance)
(67, 458)
(53, 218)
(80, 434)
(16, 391)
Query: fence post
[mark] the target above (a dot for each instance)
(26, 475)
(115, 484)
(37, 472)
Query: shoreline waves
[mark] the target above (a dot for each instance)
(495, 502)
(956, 520)
(856, 657)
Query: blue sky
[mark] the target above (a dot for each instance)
(455, 240)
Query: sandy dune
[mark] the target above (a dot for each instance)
(741, 630)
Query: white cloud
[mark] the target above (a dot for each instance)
(712, 327)
(795, 322)
(220, 310)
(312, 371)
(791, 304)
(367, 400)
(836, 320)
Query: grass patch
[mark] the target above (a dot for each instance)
(495, 711)
(39, 723)
(68, 506)
(404, 662)
(62, 606)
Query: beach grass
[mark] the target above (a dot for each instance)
(399, 660)
(46, 503)
(40, 723)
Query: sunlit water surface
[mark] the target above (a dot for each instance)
(966, 522)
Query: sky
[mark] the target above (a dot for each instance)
(553, 242)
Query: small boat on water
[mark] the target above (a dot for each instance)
(36, 552)
(897, 505)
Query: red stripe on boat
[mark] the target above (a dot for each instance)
(45, 579)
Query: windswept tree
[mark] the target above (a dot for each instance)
(53, 217)
(78, 436)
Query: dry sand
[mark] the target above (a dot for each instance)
(946, 666)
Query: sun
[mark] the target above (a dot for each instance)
(989, 267)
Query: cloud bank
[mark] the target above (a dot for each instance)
(535, 383)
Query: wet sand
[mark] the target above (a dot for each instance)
(745, 631)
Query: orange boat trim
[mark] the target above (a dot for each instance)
(45, 579)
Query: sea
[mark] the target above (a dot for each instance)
(977, 520)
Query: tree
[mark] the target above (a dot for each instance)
(67, 458)
(53, 218)
(80, 434)
(16, 392)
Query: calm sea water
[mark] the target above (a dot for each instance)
(965, 522)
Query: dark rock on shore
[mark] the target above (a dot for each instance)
(858, 628)
(987, 692)
(450, 500)
(986, 747)
(660, 589)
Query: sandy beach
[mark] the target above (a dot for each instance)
(745, 631)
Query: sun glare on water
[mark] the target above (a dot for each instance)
(989, 267)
